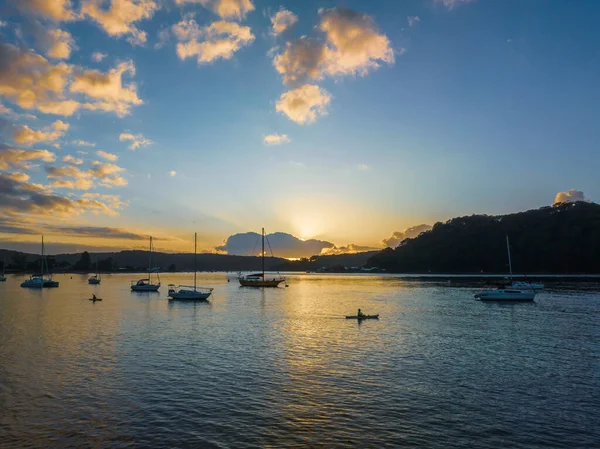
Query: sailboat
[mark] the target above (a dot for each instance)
(95, 279)
(507, 292)
(146, 285)
(38, 280)
(187, 292)
(3, 275)
(259, 279)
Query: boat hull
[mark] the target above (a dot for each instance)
(261, 282)
(145, 288)
(364, 317)
(188, 296)
(39, 284)
(506, 296)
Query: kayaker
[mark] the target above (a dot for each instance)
(94, 298)
(360, 313)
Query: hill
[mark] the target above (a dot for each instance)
(138, 261)
(564, 238)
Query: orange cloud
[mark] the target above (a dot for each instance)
(282, 20)
(108, 89)
(137, 141)
(72, 160)
(32, 82)
(27, 136)
(226, 9)
(16, 158)
(218, 40)
(304, 104)
(59, 10)
(571, 196)
(276, 139)
(108, 156)
(119, 18)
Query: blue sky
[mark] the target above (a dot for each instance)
(477, 106)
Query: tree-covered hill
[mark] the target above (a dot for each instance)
(564, 238)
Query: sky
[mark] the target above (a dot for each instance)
(350, 123)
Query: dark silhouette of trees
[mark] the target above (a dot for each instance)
(84, 263)
(564, 238)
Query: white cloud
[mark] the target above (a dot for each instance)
(108, 156)
(409, 233)
(282, 20)
(27, 136)
(451, 4)
(362, 167)
(82, 143)
(98, 56)
(304, 104)
(571, 196)
(119, 17)
(276, 139)
(413, 20)
(137, 140)
(226, 9)
(218, 40)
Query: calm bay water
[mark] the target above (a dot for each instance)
(283, 368)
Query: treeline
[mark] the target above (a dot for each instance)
(564, 238)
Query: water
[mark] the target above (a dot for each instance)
(282, 368)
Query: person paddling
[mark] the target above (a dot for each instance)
(359, 314)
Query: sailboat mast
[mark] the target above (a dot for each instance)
(509, 261)
(150, 260)
(42, 256)
(263, 252)
(195, 237)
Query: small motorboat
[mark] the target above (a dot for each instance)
(362, 317)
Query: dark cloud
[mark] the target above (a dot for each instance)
(349, 249)
(282, 244)
(97, 232)
(409, 233)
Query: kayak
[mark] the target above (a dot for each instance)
(97, 299)
(363, 317)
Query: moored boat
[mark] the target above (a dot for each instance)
(146, 284)
(508, 293)
(95, 279)
(38, 280)
(190, 293)
(260, 279)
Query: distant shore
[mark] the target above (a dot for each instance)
(408, 276)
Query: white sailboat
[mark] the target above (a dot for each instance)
(259, 279)
(507, 293)
(95, 279)
(189, 293)
(146, 285)
(38, 280)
